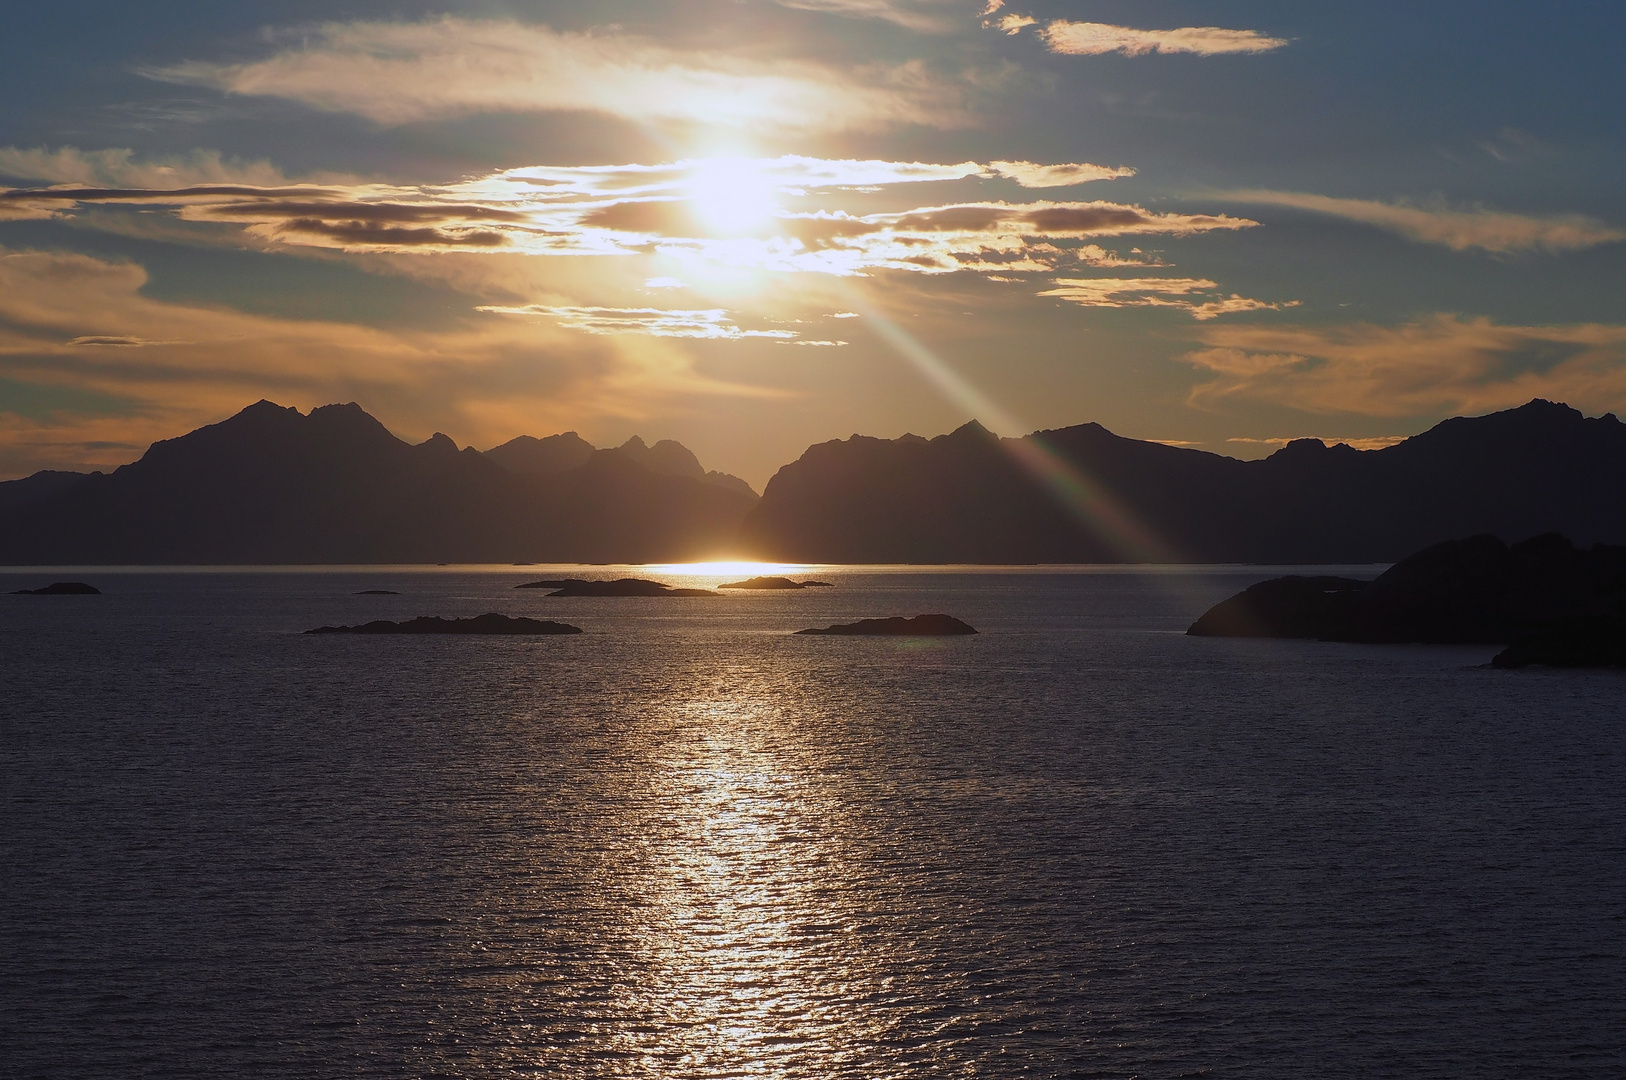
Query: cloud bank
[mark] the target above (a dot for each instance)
(1442, 364)
(669, 210)
(399, 73)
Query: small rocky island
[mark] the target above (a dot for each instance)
(898, 626)
(618, 587)
(1549, 602)
(775, 583)
(489, 623)
(378, 592)
(61, 588)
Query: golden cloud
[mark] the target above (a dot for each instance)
(1182, 293)
(648, 209)
(710, 323)
(1095, 39)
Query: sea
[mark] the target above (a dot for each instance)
(690, 843)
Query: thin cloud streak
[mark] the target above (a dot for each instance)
(1459, 230)
(399, 73)
(1442, 364)
(1181, 293)
(712, 323)
(1375, 442)
(924, 16)
(1097, 39)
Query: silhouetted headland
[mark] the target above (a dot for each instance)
(489, 623)
(898, 626)
(61, 588)
(775, 583)
(378, 592)
(1556, 604)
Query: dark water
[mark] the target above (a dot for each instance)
(685, 844)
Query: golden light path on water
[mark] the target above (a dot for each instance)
(755, 925)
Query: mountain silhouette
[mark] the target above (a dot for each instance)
(271, 485)
(969, 497)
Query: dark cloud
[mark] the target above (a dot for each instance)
(373, 233)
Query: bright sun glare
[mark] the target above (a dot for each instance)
(732, 195)
(729, 569)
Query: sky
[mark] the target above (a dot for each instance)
(754, 225)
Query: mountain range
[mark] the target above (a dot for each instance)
(1053, 496)
(272, 485)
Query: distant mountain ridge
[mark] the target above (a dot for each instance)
(967, 497)
(270, 485)
(529, 456)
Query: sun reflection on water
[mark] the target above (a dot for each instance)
(752, 949)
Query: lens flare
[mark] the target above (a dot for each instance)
(1091, 504)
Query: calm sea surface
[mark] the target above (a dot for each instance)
(688, 844)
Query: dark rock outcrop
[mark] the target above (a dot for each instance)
(775, 583)
(1288, 607)
(1544, 595)
(1578, 643)
(61, 588)
(489, 623)
(378, 592)
(624, 587)
(1054, 496)
(898, 626)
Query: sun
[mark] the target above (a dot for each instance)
(732, 195)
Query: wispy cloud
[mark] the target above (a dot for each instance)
(1194, 296)
(1032, 175)
(118, 167)
(1373, 442)
(1443, 363)
(396, 73)
(1010, 24)
(712, 323)
(927, 16)
(1460, 230)
(1096, 39)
